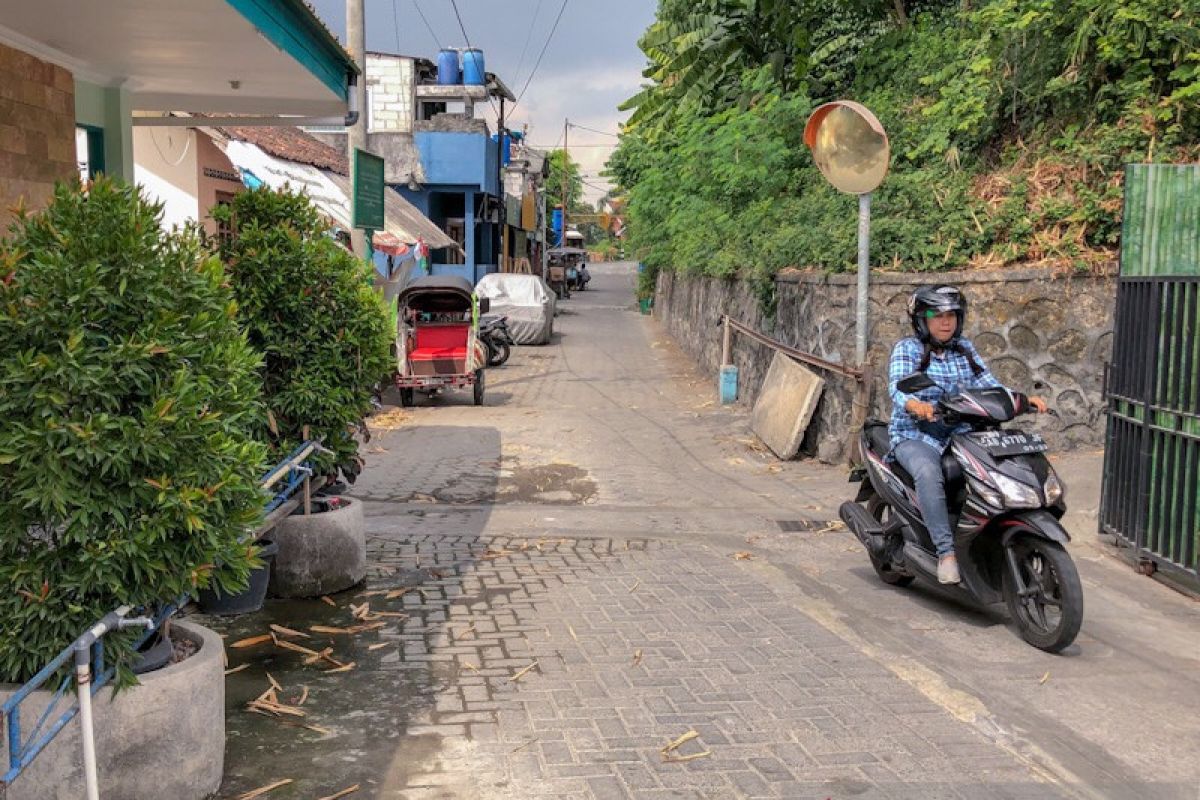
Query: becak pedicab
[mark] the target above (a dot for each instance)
(437, 338)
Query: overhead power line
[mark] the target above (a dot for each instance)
(423, 19)
(467, 39)
(528, 39)
(538, 63)
(593, 130)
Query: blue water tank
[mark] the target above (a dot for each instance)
(447, 64)
(473, 72)
(505, 148)
(556, 227)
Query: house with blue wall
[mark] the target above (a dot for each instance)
(437, 154)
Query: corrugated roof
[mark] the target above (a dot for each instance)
(402, 215)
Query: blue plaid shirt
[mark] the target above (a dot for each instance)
(949, 370)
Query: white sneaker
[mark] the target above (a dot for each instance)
(948, 570)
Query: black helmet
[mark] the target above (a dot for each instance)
(937, 299)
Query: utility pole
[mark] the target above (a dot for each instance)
(356, 136)
(566, 165)
(500, 180)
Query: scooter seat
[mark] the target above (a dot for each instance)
(880, 442)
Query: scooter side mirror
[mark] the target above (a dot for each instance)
(914, 383)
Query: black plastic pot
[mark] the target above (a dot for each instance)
(154, 654)
(212, 601)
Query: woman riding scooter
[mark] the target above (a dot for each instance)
(919, 439)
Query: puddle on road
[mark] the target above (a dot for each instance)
(558, 484)
(509, 481)
(365, 711)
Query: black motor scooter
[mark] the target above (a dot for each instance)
(493, 330)
(1005, 503)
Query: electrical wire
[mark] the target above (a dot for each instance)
(538, 63)
(593, 130)
(528, 39)
(423, 19)
(467, 39)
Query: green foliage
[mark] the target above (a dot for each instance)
(308, 305)
(1009, 123)
(554, 183)
(127, 393)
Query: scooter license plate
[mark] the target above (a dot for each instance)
(1000, 444)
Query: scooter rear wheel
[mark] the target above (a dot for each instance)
(498, 353)
(881, 511)
(1050, 613)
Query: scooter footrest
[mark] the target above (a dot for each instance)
(859, 520)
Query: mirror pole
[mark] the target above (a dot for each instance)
(864, 273)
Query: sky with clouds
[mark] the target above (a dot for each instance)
(591, 64)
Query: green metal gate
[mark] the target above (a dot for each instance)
(1151, 491)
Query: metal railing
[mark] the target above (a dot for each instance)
(1150, 498)
(23, 748)
(863, 376)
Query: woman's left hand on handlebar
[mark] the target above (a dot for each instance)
(1039, 404)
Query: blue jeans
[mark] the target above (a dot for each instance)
(924, 463)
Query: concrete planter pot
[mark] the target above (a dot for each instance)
(320, 553)
(163, 738)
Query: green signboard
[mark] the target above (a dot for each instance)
(368, 190)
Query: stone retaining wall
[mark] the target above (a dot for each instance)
(1039, 331)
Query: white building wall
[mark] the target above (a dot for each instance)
(165, 167)
(390, 81)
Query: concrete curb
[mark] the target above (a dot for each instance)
(164, 738)
(320, 553)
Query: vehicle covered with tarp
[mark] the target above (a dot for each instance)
(527, 302)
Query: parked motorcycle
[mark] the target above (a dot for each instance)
(493, 331)
(1006, 503)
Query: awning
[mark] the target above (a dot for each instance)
(330, 192)
(404, 219)
(263, 57)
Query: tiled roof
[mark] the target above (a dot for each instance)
(293, 144)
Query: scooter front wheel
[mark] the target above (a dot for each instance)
(1049, 611)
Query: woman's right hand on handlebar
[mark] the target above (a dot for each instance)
(920, 410)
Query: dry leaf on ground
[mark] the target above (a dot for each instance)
(342, 793)
(637, 657)
(253, 640)
(289, 632)
(237, 669)
(259, 792)
(521, 673)
(742, 556)
(328, 600)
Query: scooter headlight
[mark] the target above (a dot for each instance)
(1053, 488)
(989, 495)
(1016, 494)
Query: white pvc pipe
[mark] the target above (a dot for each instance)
(83, 680)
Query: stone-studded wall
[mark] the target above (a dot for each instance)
(37, 129)
(1039, 332)
(390, 80)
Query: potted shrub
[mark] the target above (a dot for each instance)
(128, 395)
(309, 306)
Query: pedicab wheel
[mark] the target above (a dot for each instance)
(881, 511)
(1048, 614)
(479, 387)
(406, 398)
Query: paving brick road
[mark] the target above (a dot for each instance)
(600, 561)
